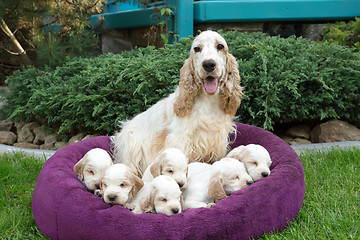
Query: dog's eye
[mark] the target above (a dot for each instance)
(197, 49)
(255, 163)
(220, 47)
(91, 172)
(236, 177)
(170, 171)
(163, 200)
(122, 185)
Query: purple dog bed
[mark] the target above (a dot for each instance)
(64, 209)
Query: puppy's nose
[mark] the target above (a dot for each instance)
(209, 65)
(264, 174)
(175, 210)
(112, 198)
(97, 186)
(180, 184)
(249, 183)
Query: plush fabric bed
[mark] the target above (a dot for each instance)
(64, 209)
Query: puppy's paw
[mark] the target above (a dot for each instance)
(98, 193)
(129, 206)
(210, 205)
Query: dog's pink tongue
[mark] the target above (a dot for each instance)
(211, 85)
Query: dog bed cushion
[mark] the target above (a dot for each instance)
(64, 209)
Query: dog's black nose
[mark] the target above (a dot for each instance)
(112, 198)
(175, 210)
(249, 182)
(209, 65)
(264, 174)
(181, 185)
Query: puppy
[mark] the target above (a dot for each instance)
(171, 162)
(208, 184)
(120, 186)
(256, 159)
(91, 168)
(162, 195)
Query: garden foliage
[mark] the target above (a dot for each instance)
(346, 33)
(285, 80)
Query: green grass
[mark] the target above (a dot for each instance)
(18, 175)
(330, 209)
(332, 197)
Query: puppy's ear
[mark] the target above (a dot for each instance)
(146, 203)
(138, 184)
(79, 167)
(188, 89)
(182, 202)
(230, 90)
(156, 167)
(216, 190)
(237, 153)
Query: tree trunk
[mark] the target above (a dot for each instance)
(24, 58)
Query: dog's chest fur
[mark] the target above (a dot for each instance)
(202, 136)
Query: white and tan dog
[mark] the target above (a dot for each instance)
(256, 159)
(171, 162)
(208, 184)
(196, 118)
(162, 195)
(91, 168)
(120, 185)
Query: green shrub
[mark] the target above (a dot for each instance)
(344, 33)
(285, 80)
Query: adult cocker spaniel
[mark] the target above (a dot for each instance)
(196, 118)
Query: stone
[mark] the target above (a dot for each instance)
(50, 139)
(59, 145)
(6, 125)
(335, 131)
(299, 131)
(299, 141)
(40, 135)
(7, 137)
(26, 145)
(286, 138)
(76, 138)
(19, 125)
(89, 136)
(25, 135)
(313, 32)
(47, 146)
(49, 142)
(31, 126)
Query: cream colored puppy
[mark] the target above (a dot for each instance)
(256, 159)
(120, 186)
(208, 184)
(171, 162)
(162, 195)
(91, 168)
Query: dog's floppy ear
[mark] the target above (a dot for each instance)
(188, 90)
(182, 202)
(156, 166)
(238, 153)
(138, 184)
(216, 190)
(230, 90)
(146, 203)
(79, 167)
